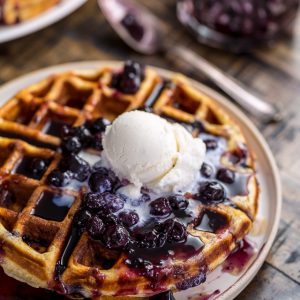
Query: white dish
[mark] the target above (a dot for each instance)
(219, 285)
(58, 12)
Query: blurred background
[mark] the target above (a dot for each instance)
(262, 50)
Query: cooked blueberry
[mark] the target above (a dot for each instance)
(115, 237)
(71, 144)
(84, 135)
(165, 227)
(128, 218)
(93, 201)
(58, 178)
(81, 218)
(150, 239)
(38, 166)
(99, 125)
(206, 170)
(66, 131)
(130, 84)
(178, 233)
(211, 144)
(112, 202)
(211, 191)
(97, 142)
(100, 183)
(95, 228)
(79, 168)
(160, 207)
(178, 202)
(226, 175)
(130, 79)
(109, 219)
(133, 67)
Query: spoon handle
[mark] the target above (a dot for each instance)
(237, 91)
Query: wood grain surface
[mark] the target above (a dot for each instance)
(274, 73)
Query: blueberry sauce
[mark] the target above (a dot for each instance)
(32, 166)
(11, 289)
(211, 222)
(237, 261)
(134, 28)
(54, 127)
(53, 207)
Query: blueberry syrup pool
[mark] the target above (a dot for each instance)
(238, 25)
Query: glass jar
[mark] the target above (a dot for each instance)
(238, 25)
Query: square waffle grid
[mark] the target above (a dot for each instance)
(75, 98)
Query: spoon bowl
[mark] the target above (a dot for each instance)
(134, 24)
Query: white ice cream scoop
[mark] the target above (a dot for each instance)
(149, 151)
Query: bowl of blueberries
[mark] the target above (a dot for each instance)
(238, 25)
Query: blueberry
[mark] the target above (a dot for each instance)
(115, 237)
(226, 175)
(66, 131)
(97, 141)
(165, 227)
(206, 170)
(38, 166)
(84, 135)
(95, 228)
(58, 178)
(129, 81)
(93, 201)
(112, 203)
(130, 84)
(211, 144)
(110, 219)
(160, 207)
(128, 218)
(178, 202)
(81, 218)
(211, 191)
(79, 168)
(99, 125)
(71, 144)
(150, 239)
(98, 182)
(178, 233)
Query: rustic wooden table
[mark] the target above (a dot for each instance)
(275, 73)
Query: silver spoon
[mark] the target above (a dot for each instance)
(143, 32)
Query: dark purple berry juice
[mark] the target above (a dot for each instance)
(238, 25)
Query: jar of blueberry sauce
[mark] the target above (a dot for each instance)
(238, 25)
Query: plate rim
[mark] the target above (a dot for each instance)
(232, 109)
(47, 18)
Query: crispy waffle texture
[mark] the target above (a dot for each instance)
(31, 246)
(15, 11)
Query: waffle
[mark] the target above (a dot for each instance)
(50, 253)
(15, 11)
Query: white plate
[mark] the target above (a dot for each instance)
(229, 286)
(54, 14)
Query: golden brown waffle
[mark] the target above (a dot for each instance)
(31, 246)
(15, 11)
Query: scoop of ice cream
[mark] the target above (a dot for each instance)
(149, 151)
